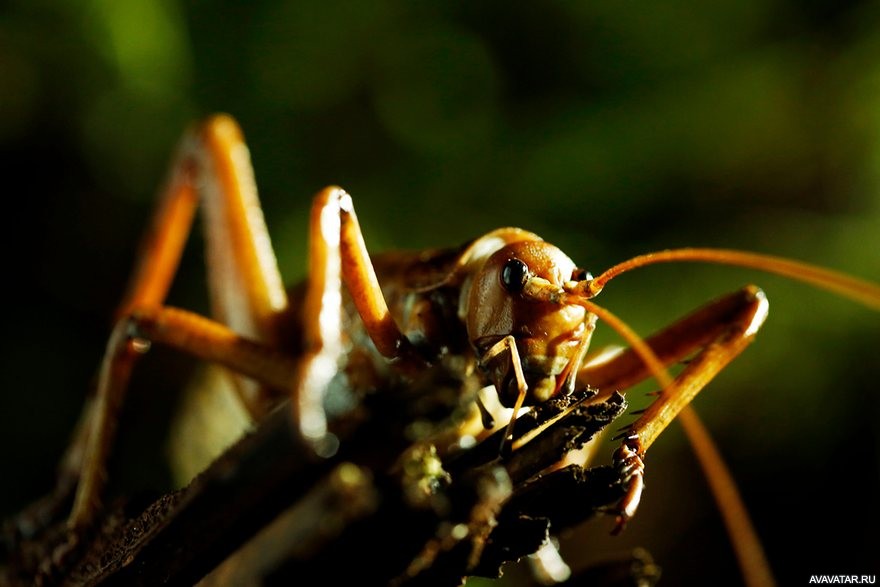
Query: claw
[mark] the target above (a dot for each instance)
(628, 459)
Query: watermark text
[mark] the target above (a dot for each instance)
(840, 579)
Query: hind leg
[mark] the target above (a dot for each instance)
(212, 168)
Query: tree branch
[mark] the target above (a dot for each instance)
(267, 509)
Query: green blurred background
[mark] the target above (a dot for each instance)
(610, 128)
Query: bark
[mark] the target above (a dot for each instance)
(398, 511)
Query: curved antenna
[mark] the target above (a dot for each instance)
(750, 555)
(638, 344)
(859, 290)
(538, 288)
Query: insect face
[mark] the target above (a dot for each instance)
(550, 338)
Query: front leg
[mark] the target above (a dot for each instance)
(508, 345)
(719, 332)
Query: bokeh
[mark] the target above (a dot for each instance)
(610, 128)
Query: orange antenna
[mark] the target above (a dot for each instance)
(750, 555)
(638, 344)
(859, 290)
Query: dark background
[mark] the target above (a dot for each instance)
(610, 128)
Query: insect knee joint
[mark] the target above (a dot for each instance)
(133, 331)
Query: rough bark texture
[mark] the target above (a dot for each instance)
(266, 509)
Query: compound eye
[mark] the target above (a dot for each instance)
(580, 275)
(514, 275)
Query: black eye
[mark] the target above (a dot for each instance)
(514, 275)
(580, 275)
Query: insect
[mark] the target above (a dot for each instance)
(507, 310)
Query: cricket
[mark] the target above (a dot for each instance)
(476, 359)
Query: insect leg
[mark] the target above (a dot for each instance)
(211, 165)
(508, 344)
(213, 169)
(706, 364)
(181, 330)
(321, 318)
(718, 332)
(337, 255)
(673, 344)
(360, 279)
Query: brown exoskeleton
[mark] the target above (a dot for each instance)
(514, 309)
